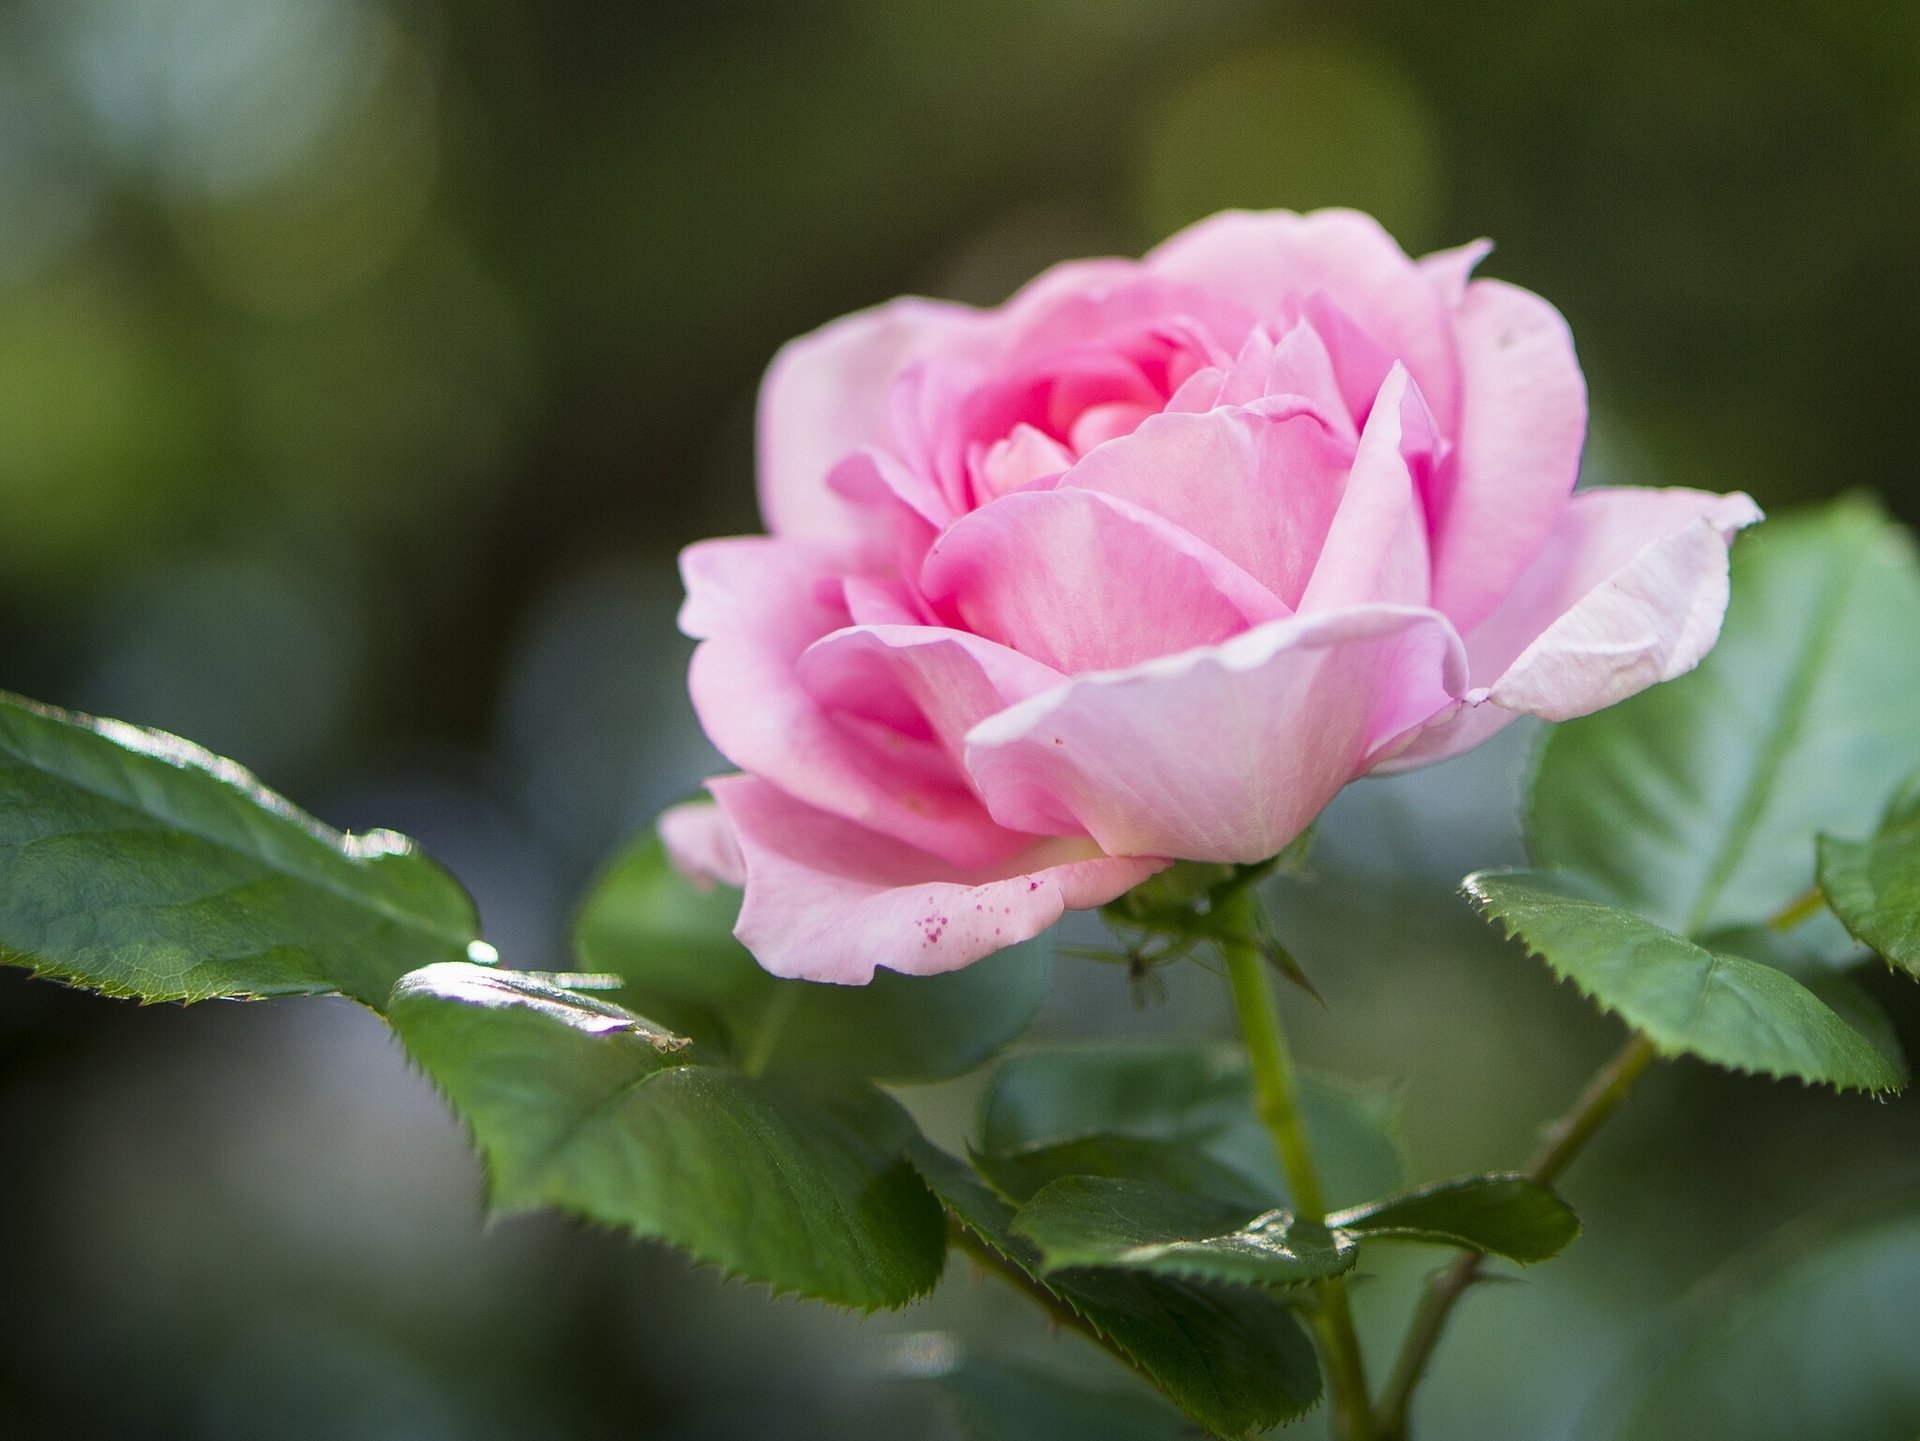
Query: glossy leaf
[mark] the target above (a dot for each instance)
(1232, 1358)
(1173, 1164)
(1819, 954)
(1195, 1093)
(1874, 885)
(138, 864)
(1130, 1225)
(1696, 803)
(998, 1400)
(580, 1104)
(1813, 1338)
(1716, 1005)
(674, 946)
(1508, 1215)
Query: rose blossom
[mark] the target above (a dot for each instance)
(1146, 564)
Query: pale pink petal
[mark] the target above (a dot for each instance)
(1023, 456)
(1629, 591)
(826, 395)
(1098, 424)
(1083, 301)
(1376, 548)
(759, 602)
(1523, 419)
(944, 681)
(1220, 754)
(1257, 483)
(872, 600)
(1302, 366)
(827, 900)
(1448, 271)
(1084, 581)
(1273, 260)
(700, 843)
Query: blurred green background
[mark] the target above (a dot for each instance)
(363, 364)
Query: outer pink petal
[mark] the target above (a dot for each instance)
(1448, 271)
(1257, 483)
(700, 843)
(1225, 753)
(827, 900)
(1273, 260)
(947, 680)
(1376, 548)
(760, 602)
(1084, 581)
(1523, 418)
(825, 395)
(1629, 591)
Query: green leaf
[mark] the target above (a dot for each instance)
(1508, 1215)
(1195, 1093)
(1812, 1338)
(135, 863)
(1818, 953)
(1174, 1164)
(1233, 1358)
(1874, 885)
(1129, 1225)
(1696, 803)
(1005, 1401)
(1716, 1005)
(580, 1104)
(674, 947)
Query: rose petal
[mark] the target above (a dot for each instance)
(1448, 271)
(828, 900)
(759, 602)
(699, 841)
(947, 680)
(1084, 581)
(1376, 547)
(1220, 754)
(1272, 261)
(1629, 590)
(1259, 484)
(825, 395)
(1523, 419)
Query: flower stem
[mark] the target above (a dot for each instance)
(1563, 1141)
(1277, 1099)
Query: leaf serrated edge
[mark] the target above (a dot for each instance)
(1036, 1279)
(493, 1212)
(1482, 904)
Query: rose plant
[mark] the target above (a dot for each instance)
(1097, 599)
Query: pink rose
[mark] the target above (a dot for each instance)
(1146, 564)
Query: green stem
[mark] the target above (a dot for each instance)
(1277, 1099)
(1564, 1140)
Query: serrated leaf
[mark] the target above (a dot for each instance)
(580, 1104)
(1874, 885)
(1696, 803)
(1131, 1225)
(1812, 1338)
(1508, 1215)
(1174, 1164)
(1004, 1401)
(1818, 953)
(1234, 1359)
(1194, 1093)
(674, 947)
(138, 864)
(1716, 1005)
